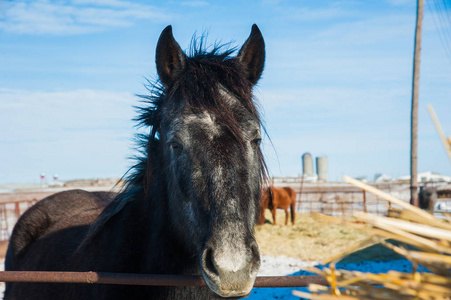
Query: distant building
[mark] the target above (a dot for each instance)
(376, 176)
(428, 177)
(382, 178)
(362, 178)
(309, 178)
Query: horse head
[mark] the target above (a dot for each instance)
(209, 133)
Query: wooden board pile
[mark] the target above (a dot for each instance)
(427, 242)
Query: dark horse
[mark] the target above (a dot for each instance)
(190, 204)
(274, 198)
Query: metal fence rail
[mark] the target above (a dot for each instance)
(343, 200)
(146, 279)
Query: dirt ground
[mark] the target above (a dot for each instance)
(309, 239)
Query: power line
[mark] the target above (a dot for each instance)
(442, 20)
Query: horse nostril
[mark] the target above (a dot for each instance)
(208, 262)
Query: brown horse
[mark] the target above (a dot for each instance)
(273, 198)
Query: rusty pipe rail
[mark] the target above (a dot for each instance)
(145, 279)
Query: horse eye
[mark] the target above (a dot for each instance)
(257, 141)
(176, 146)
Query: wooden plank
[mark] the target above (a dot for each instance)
(388, 197)
(446, 143)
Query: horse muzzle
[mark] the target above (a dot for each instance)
(230, 270)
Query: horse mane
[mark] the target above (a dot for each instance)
(198, 86)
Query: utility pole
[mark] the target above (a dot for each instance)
(414, 114)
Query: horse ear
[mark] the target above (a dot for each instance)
(252, 55)
(170, 59)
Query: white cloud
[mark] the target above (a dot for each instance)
(29, 115)
(77, 133)
(73, 17)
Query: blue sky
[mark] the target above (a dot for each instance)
(337, 82)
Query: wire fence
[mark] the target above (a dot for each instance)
(340, 199)
(341, 203)
(10, 213)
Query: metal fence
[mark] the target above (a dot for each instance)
(10, 213)
(149, 280)
(343, 200)
(340, 203)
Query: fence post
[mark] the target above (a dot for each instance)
(4, 234)
(300, 194)
(364, 201)
(17, 210)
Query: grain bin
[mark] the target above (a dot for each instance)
(307, 164)
(321, 168)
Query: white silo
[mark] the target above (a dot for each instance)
(321, 168)
(307, 164)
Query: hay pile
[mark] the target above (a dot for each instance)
(425, 241)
